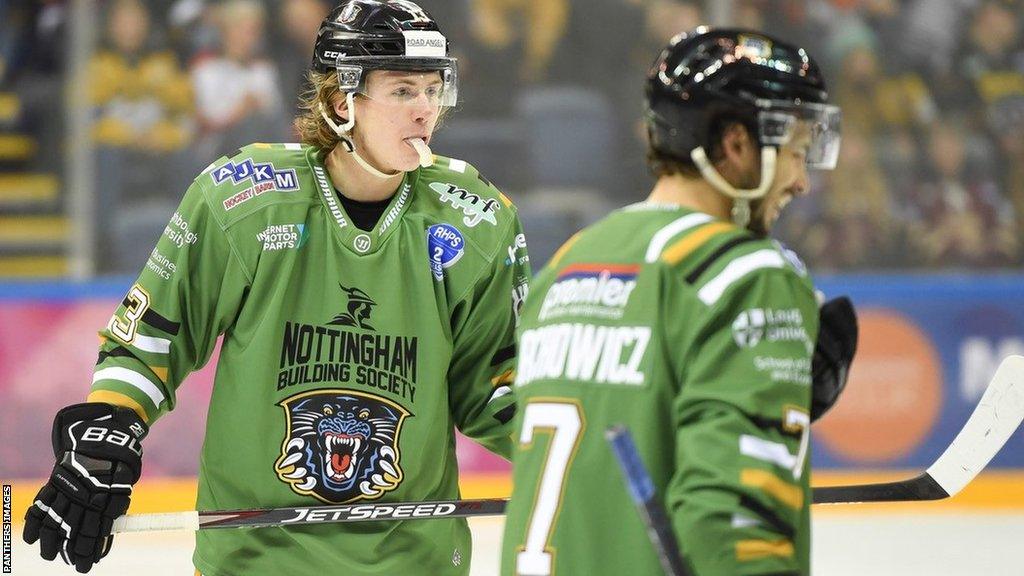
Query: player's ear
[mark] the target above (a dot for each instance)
(737, 144)
(340, 106)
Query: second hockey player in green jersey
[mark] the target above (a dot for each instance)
(698, 336)
(680, 319)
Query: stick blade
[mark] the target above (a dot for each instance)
(998, 415)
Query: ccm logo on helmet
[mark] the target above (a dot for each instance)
(333, 54)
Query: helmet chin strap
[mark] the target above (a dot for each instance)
(741, 197)
(346, 140)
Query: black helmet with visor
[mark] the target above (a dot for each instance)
(769, 85)
(363, 35)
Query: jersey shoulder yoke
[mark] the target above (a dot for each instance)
(257, 176)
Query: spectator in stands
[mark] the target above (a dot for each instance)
(238, 99)
(959, 216)
(299, 21)
(191, 27)
(858, 211)
(143, 126)
(511, 41)
(932, 33)
(143, 99)
(989, 66)
(749, 14)
(874, 101)
(1006, 119)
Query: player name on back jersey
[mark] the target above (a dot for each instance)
(696, 335)
(348, 356)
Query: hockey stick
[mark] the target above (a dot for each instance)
(305, 515)
(641, 490)
(997, 415)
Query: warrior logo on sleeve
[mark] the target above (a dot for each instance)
(341, 446)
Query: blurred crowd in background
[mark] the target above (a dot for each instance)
(930, 176)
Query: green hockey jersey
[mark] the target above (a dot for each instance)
(698, 337)
(349, 357)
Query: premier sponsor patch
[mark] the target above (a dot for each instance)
(597, 290)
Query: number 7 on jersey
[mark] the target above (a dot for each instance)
(562, 419)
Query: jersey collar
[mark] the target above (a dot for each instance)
(359, 241)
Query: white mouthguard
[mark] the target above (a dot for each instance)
(426, 158)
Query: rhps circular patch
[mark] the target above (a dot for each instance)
(445, 246)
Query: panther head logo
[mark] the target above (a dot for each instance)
(341, 445)
(360, 305)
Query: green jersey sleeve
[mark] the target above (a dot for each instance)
(483, 360)
(167, 325)
(740, 495)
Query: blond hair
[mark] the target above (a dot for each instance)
(313, 130)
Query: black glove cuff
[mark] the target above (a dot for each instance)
(96, 433)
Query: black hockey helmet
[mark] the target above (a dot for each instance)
(766, 83)
(362, 35)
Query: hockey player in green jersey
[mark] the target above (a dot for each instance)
(367, 293)
(680, 319)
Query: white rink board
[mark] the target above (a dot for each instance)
(844, 545)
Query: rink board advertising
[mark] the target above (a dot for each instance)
(929, 346)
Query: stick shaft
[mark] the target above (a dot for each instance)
(652, 512)
(301, 515)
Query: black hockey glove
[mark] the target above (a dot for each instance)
(833, 354)
(99, 458)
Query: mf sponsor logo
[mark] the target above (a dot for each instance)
(263, 177)
(517, 251)
(179, 231)
(599, 290)
(283, 237)
(475, 208)
(756, 325)
(583, 352)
